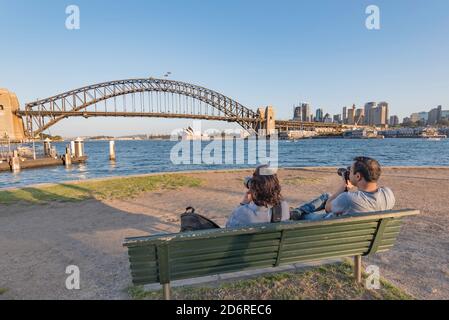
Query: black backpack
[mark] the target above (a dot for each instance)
(191, 221)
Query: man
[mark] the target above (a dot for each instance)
(363, 175)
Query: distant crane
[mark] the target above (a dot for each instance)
(358, 120)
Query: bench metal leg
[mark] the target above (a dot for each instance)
(166, 289)
(358, 269)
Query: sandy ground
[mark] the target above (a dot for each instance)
(38, 242)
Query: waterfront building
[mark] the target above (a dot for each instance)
(423, 116)
(445, 114)
(362, 134)
(337, 118)
(394, 121)
(345, 117)
(434, 115)
(415, 117)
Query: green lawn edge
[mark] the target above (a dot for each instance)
(114, 188)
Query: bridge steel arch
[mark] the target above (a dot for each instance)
(74, 102)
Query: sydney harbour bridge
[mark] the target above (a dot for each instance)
(154, 98)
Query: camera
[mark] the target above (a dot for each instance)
(247, 182)
(344, 172)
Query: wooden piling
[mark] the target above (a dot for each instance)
(112, 150)
(15, 162)
(68, 156)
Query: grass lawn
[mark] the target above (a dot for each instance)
(328, 282)
(114, 188)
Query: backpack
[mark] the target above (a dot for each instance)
(191, 221)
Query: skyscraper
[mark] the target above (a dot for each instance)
(305, 107)
(378, 115)
(394, 121)
(297, 113)
(368, 107)
(344, 116)
(434, 115)
(319, 115)
(385, 112)
(423, 116)
(351, 115)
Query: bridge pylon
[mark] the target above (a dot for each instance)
(266, 124)
(11, 125)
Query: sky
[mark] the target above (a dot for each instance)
(257, 52)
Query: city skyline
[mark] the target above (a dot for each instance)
(229, 47)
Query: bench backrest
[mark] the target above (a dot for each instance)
(166, 257)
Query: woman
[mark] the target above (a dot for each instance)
(264, 193)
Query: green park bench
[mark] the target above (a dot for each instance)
(166, 257)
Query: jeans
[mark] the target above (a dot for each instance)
(313, 210)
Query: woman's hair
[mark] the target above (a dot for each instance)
(265, 189)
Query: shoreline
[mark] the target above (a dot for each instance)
(202, 171)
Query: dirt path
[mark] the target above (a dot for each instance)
(37, 242)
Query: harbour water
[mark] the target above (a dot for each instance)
(147, 156)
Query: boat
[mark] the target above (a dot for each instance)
(431, 134)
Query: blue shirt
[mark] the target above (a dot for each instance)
(251, 214)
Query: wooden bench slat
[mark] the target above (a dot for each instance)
(144, 280)
(323, 243)
(227, 247)
(222, 254)
(324, 249)
(321, 256)
(143, 272)
(181, 267)
(329, 236)
(217, 270)
(330, 229)
(225, 242)
(391, 229)
(144, 264)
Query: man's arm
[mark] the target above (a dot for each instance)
(341, 189)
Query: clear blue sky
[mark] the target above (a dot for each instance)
(257, 52)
